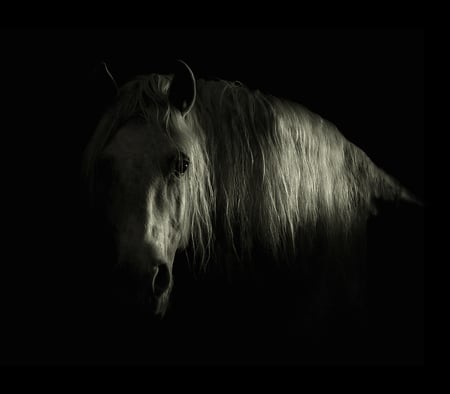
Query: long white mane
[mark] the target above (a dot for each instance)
(264, 171)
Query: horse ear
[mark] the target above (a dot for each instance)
(103, 87)
(183, 89)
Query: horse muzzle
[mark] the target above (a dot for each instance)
(151, 289)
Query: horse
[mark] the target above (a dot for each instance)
(235, 176)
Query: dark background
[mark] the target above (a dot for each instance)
(370, 83)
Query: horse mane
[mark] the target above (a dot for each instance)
(264, 171)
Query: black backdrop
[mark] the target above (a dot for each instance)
(370, 83)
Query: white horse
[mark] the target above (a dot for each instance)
(210, 165)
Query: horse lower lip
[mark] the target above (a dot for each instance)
(155, 308)
(153, 303)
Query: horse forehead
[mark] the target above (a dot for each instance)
(139, 140)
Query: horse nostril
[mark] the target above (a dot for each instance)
(161, 281)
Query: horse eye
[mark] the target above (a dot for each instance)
(181, 164)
